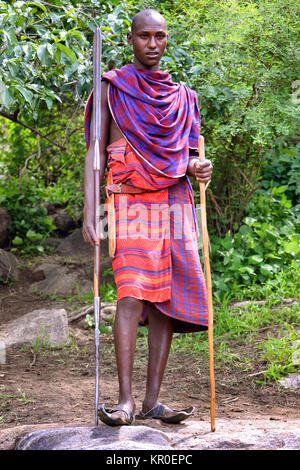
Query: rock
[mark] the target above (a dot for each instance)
(5, 223)
(49, 326)
(59, 279)
(51, 278)
(95, 438)
(49, 206)
(52, 242)
(291, 381)
(108, 313)
(75, 246)
(8, 266)
(63, 222)
(254, 433)
(105, 275)
(37, 275)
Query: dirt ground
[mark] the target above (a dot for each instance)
(57, 385)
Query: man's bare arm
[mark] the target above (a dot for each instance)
(88, 231)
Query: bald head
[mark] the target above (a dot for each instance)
(144, 15)
(149, 39)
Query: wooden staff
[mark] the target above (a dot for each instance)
(97, 46)
(208, 287)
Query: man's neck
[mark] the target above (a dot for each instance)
(138, 65)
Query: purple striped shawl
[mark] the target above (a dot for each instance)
(160, 119)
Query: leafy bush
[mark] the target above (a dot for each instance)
(30, 223)
(243, 69)
(285, 284)
(282, 167)
(266, 243)
(238, 56)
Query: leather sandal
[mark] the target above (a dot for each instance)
(158, 412)
(105, 415)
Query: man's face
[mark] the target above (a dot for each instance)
(149, 40)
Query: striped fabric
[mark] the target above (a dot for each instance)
(159, 118)
(156, 257)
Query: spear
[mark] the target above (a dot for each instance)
(208, 286)
(97, 136)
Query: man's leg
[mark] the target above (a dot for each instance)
(128, 314)
(160, 334)
(159, 342)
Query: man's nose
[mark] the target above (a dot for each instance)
(152, 42)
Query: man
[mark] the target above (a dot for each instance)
(149, 132)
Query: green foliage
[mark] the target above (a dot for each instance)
(43, 48)
(90, 323)
(282, 168)
(285, 284)
(30, 223)
(266, 243)
(244, 64)
(240, 57)
(275, 357)
(234, 323)
(108, 292)
(45, 78)
(278, 352)
(47, 50)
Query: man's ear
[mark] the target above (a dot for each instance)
(129, 38)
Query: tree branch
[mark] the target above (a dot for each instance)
(217, 207)
(248, 195)
(241, 171)
(13, 118)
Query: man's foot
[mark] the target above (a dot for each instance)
(121, 415)
(166, 414)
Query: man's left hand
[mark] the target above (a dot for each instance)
(202, 171)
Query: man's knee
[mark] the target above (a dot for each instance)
(130, 307)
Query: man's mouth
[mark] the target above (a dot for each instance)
(152, 54)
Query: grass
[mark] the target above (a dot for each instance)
(239, 333)
(20, 398)
(6, 400)
(285, 284)
(277, 352)
(236, 325)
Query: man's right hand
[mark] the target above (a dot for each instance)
(88, 230)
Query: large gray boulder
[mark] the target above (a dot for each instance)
(96, 438)
(47, 327)
(255, 432)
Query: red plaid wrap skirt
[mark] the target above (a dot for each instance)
(156, 256)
